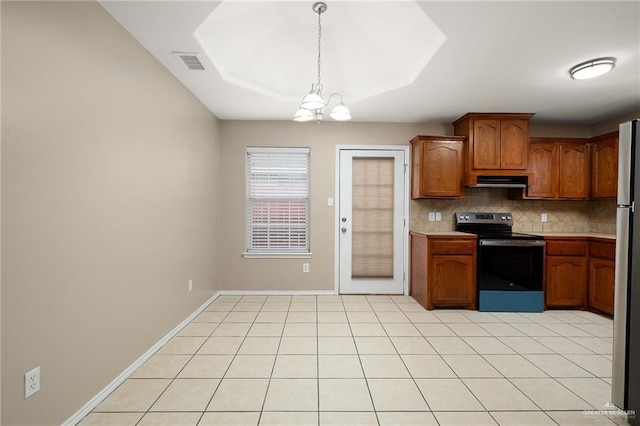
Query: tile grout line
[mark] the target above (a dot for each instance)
(176, 376)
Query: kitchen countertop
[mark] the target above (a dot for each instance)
(576, 234)
(543, 234)
(444, 234)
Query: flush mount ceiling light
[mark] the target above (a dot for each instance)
(592, 68)
(312, 107)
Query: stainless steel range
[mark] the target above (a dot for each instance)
(510, 265)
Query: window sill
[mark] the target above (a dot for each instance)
(276, 255)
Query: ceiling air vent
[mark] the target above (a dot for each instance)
(189, 60)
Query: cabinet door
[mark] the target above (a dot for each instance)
(514, 144)
(601, 285)
(451, 280)
(566, 281)
(442, 169)
(418, 270)
(604, 169)
(573, 173)
(486, 144)
(543, 168)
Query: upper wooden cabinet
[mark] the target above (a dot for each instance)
(436, 166)
(497, 144)
(559, 168)
(543, 167)
(573, 176)
(604, 166)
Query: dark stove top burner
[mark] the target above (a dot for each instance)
(490, 226)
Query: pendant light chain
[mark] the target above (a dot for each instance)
(320, 10)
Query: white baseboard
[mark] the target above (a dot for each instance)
(93, 403)
(277, 292)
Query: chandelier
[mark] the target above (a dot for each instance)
(312, 107)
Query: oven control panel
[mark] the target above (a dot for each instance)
(484, 218)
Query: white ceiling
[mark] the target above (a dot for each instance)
(386, 59)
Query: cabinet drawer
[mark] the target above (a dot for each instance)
(602, 250)
(452, 247)
(566, 248)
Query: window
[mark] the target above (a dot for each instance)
(277, 200)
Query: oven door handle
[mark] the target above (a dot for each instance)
(512, 243)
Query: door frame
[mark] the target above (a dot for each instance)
(405, 197)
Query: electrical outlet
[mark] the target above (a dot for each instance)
(432, 216)
(31, 382)
(190, 284)
(544, 217)
(305, 267)
(438, 216)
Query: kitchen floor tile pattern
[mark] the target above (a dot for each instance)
(370, 360)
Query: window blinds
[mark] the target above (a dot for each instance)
(372, 210)
(278, 200)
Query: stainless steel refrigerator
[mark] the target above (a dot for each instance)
(625, 388)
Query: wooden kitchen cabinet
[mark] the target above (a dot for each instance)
(543, 168)
(604, 166)
(559, 169)
(443, 271)
(573, 176)
(602, 255)
(436, 167)
(566, 273)
(497, 144)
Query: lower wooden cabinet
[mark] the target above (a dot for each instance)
(580, 273)
(602, 276)
(443, 271)
(566, 273)
(566, 279)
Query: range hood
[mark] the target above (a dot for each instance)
(500, 182)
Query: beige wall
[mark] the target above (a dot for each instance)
(613, 124)
(110, 186)
(286, 274)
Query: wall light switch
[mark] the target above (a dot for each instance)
(544, 217)
(438, 216)
(432, 216)
(330, 201)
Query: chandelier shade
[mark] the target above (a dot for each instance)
(312, 106)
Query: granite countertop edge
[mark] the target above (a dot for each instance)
(543, 234)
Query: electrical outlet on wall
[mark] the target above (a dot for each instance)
(31, 382)
(544, 217)
(438, 216)
(305, 267)
(432, 216)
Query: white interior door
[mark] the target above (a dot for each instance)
(372, 221)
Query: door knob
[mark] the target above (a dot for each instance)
(344, 229)
(344, 219)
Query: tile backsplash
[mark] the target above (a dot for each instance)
(562, 216)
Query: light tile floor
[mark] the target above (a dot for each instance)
(370, 360)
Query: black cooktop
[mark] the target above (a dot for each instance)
(504, 235)
(490, 226)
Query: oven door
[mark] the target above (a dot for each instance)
(510, 275)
